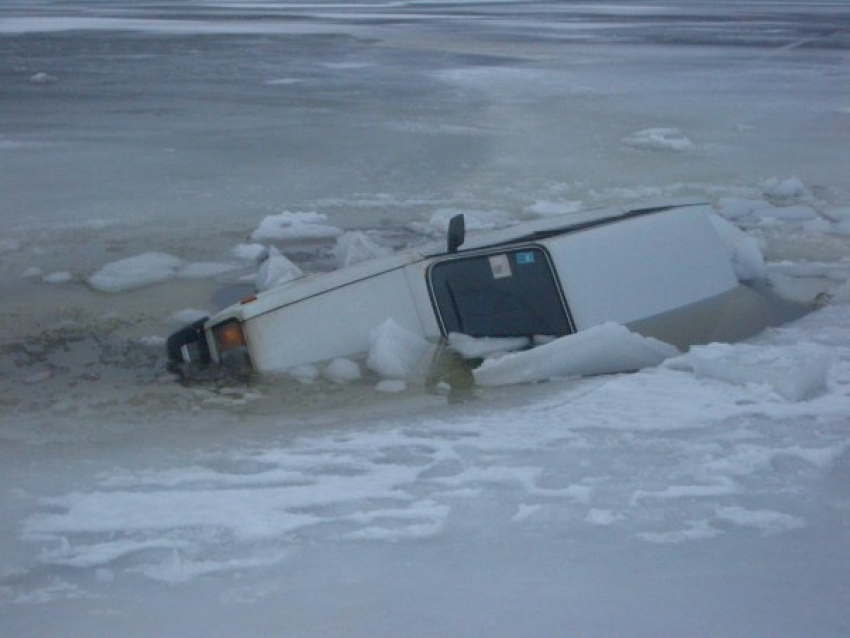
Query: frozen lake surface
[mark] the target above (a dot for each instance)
(707, 495)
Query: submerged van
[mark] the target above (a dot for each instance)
(637, 267)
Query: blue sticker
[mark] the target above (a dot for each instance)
(525, 258)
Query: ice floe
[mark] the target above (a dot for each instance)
(356, 246)
(842, 227)
(395, 352)
(58, 277)
(9, 245)
(152, 341)
(603, 517)
(694, 530)
(304, 374)
(660, 139)
(276, 270)
(43, 78)
(295, 226)
(186, 316)
(485, 347)
(768, 522)
(282, 81)
(838, 213)
(204, 269)
(32, 272)
(151, 268)
(787, 214)
(744, 250)
(252, 253)
(737, 208)
(391, 386)
(547, 208)
(135, 272)
(602, 349)
(788, 188)
(342, 371)
(474, 220)
(794, 373)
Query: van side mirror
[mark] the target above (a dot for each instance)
(457, 233)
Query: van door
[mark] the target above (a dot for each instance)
(511, 292)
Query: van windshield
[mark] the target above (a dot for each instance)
(509, 293)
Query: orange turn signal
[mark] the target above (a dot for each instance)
(228, 336)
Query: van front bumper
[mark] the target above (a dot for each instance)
(189, 345)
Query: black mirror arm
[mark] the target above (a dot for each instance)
(457, 233)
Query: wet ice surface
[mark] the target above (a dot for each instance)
(707, 495)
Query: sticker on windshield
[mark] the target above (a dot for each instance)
(500, 266)
(526, 257)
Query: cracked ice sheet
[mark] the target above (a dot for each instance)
(667, 456)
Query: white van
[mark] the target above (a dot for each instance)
(550, 277)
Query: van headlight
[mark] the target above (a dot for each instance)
(230, 344)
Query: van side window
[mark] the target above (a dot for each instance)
(502, 294)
